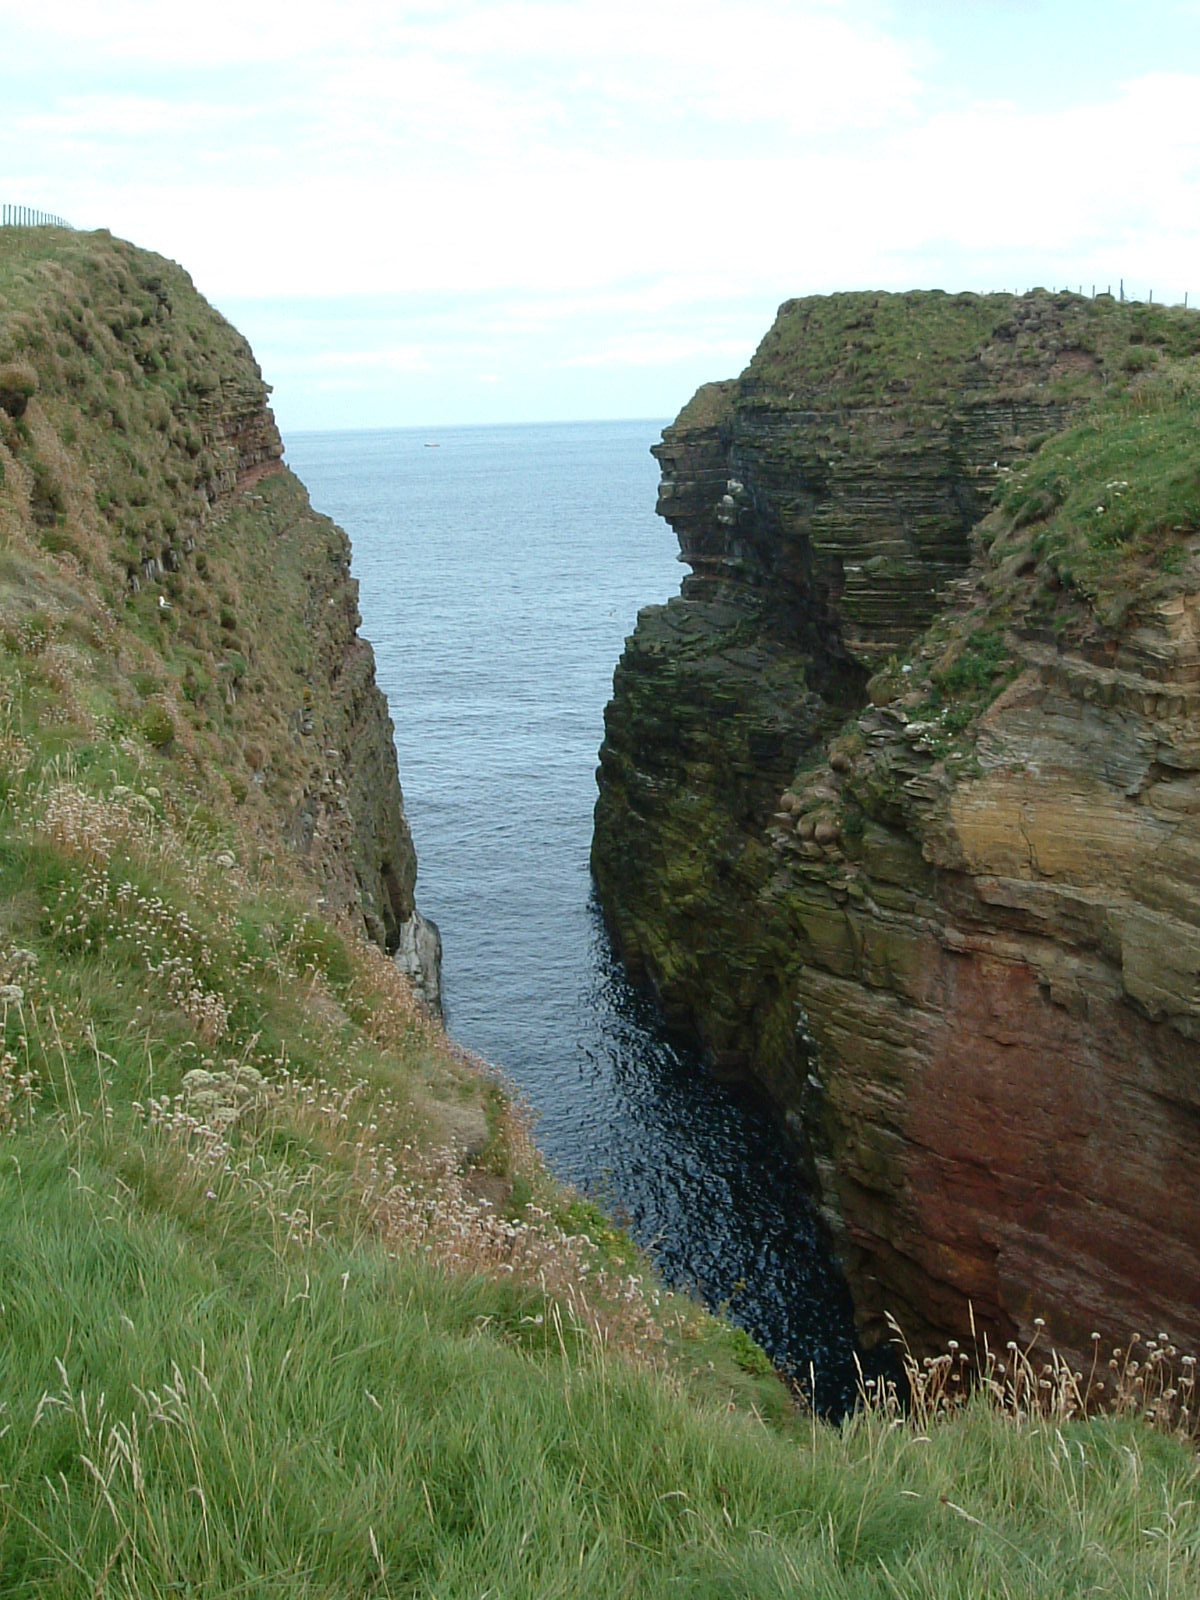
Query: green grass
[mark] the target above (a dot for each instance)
(189, 1407)
(1119, 488)
(864, 342)
(269, 1322)
(872, 348)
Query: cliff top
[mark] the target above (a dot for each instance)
(288, 1300)
(899, 795)
(873, 348)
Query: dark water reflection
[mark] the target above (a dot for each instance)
(499, 576)
(696, 1169)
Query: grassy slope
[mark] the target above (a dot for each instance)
(1100, 521)
(287, 1303)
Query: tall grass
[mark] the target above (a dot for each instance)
(193, 1405)
(288, 1303)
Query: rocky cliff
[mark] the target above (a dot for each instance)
(137, 447)
(900, 798)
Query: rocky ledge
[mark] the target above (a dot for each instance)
(900, 798)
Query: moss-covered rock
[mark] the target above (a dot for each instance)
(899, 802)
(139, 451)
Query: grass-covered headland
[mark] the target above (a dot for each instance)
(288, 1304)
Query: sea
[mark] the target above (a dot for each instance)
(500, 570)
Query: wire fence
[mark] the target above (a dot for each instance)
(1125, 299)
(13, 216)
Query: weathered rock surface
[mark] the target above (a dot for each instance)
(144, 457)
(947, 908)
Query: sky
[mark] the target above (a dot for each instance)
(478, 211)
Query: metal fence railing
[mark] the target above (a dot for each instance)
(29, 217)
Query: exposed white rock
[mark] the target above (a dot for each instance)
(419, 957)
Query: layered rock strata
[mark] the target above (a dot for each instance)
(900, 800)
(137, 446)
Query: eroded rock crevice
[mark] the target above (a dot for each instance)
(900, 798)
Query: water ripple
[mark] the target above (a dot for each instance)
(499, 576)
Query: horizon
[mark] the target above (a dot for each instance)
(663, 420)
(463, 427)
(506, 210)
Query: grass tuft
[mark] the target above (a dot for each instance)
(288, 1302)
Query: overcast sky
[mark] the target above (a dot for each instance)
(474, 210)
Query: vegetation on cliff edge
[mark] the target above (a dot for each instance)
(288, 1304)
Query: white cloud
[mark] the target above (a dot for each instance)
(599, 188)
(654, 351)
(401, 358)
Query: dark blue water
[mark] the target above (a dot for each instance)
(500, 573)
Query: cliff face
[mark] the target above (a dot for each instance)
(900, 807)
(137, 447)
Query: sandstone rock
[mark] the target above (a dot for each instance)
(994, 979)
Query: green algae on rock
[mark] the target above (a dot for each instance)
(900, 798)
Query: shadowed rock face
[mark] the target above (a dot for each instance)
(346, 817)
(946, 908)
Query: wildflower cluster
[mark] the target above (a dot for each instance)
(382, 1000)
(1144, 1378)
(63, 668)
(229, 1118)
(16, 1073)
(1153, 1378)
(96, 915)
(91, 826)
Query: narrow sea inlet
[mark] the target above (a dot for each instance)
(500, 574)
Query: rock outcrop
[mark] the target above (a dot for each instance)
(900, 799)
(136, 444)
